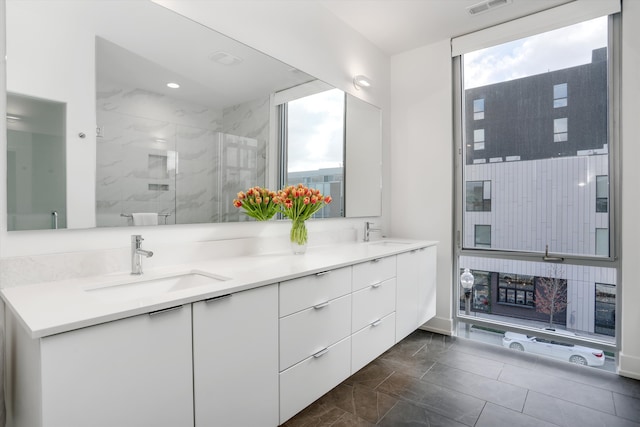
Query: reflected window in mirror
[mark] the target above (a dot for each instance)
(312, 139)
(36, 163)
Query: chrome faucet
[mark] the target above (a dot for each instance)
(136, 254)
(368, 229)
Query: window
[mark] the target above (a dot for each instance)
(538, 199)
(483, 236)
(560, 133)
(478, 139)
(478, 196)
(560, 95)
(516, 289)
(478, 109)
(602, 193)
(602, 241)
(605, 318)
(312, 140)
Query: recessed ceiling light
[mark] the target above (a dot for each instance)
(173, 85)
(361, 81)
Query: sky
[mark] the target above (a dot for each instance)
(550, 51)
(316, 128)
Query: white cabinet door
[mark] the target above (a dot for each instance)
(427, 287)
(130, 372)
(235, 354)
(407, 283)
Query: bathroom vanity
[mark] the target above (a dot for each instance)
(245, 340)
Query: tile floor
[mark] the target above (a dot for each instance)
(434, 380)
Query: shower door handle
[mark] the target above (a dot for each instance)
(54, 220)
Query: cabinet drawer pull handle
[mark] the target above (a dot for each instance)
(321, 305)
(376, 285)
(376, 323)
(376, 260)
(413, 251)
(218, 298)
(323, 273)
(164, 310)
(321, 352)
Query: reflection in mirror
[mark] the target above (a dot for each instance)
(312, 142)
(180, 154)
(181, 160)
(36, 181)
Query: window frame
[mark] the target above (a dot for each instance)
(611, 261)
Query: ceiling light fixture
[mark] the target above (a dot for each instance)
(361, 81)
(486, 6)
(13, 118)
(225, 58)
(173, 85)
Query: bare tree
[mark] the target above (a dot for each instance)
(551, 293)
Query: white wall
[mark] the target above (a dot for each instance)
(306, 37)
(630, 152)
(422, 161)
(422, 167)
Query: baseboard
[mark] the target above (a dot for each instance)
(439, 325)
(629, 366)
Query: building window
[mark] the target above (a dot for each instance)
(560, 130)
(478, 109)
(560, 95)
(478, 196)
(602, 193)
(602, 241)
(516, 289)
(482, 236)
(605, 310)
(478, 139)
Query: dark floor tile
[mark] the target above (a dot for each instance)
(497, 416)
(350, 420)
(316, 415)
(582, 394)
(627, 407)
(567, 414)
(364, 402)
(452, 404)
(507, 395)
(471, 363)
(496, 353)
(405, 414)
(414, 366)
(371, 375)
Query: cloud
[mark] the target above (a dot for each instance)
(553, 50)
(316, 131)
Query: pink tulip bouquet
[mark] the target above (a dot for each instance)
(259, 203)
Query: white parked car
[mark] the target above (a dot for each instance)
(547, 347)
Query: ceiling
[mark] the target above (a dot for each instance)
(397, 26)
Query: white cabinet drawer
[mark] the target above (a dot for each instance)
(373, 303)
(374, 271)
(371, 341)
(309, 331)
(305, 382)
(304, 292)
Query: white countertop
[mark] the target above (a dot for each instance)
(54, 307)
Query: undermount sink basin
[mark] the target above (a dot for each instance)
(147, 288)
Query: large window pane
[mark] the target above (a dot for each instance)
(542, 160)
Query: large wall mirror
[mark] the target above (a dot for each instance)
(97, 137)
